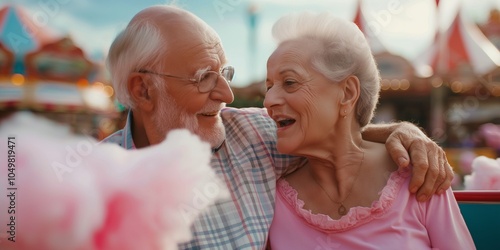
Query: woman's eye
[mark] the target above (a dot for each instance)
(268, 86)
(291, 85)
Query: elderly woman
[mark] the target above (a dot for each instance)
(322, 89)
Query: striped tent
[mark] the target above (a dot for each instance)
(371, 34)
(461, 49)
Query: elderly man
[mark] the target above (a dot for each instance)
(168, 66)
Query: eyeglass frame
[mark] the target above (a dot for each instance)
(198, 81)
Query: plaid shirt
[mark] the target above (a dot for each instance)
(249, 164)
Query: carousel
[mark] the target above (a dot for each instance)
(52, 77)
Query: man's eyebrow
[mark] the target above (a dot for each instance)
(201, 71)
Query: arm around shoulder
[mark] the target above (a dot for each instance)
(408, 144)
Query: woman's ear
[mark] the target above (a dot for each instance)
(139, 91)
(352, 90)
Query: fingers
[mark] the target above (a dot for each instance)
(433, 178)
(431, 172)
(397, 151)
(449, 174)
(438, 176)
(419, 160)
(425, 171)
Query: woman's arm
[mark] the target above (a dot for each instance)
(407, 144)
(445, 225)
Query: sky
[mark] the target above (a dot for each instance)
(406, 30)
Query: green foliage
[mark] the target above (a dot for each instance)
(244, 103)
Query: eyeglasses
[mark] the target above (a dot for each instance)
(206, 81)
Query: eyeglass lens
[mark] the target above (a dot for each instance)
(208, 80)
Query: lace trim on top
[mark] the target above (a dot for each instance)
(356, 216)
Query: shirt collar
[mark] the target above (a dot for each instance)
(128, 141)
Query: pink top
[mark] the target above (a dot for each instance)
(396, 221)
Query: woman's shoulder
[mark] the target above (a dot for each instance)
(378, 156)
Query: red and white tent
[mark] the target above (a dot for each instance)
(460, 48)
(376, 45)
(391, 65)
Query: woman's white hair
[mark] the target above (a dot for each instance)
(345, 52)
(137, 47)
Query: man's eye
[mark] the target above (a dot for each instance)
(203, 77)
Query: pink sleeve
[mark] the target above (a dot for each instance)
(445, 224)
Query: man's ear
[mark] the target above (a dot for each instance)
(352, 90)
(139, 91)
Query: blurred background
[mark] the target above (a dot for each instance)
(439, 61)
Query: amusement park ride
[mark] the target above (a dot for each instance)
(52, 77)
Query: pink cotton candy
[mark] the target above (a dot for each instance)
(74, 193)
(491, 134)
(465, 162)
(485, 174)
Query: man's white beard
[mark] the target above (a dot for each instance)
(170, 116)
